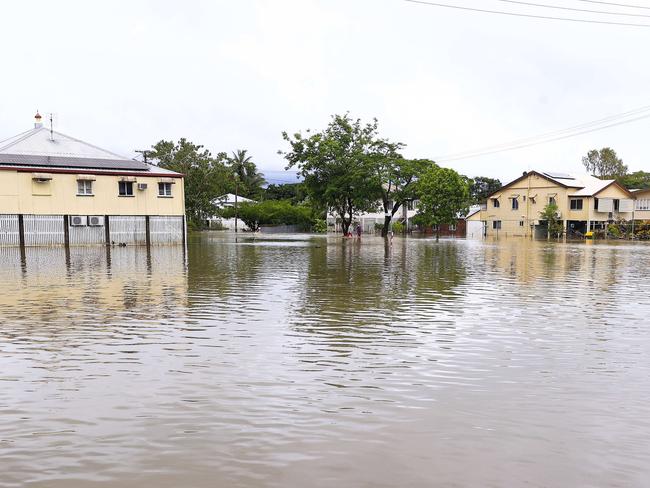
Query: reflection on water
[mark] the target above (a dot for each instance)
(313, 361)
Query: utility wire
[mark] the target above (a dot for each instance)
(545, 141)
(542, 5)
(514, 14)
(615, 4)
(546, 135)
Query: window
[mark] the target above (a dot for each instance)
(84, 187)
(524, 197)
(496, 224)
(595, 203)
(643, 204)
(125, 188)
(495, 203)
(434, 227)
(515, 204)
(532, 200)
(164, 189)
(521, 223)
(551, 201)
(452, 227)
(617, 204)
(576, 204)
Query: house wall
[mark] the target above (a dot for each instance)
(20, 194)
(534, 193)
(643, 199)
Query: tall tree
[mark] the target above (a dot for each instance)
(551, 215)
(481, 188)
(396, 179)
(639, 180)
(205, 175)
(337, 166)
(250, 180)
(604, 163)
(444, 196)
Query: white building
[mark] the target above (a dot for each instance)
(225, 201)
(368, 220)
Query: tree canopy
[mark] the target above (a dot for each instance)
(250, 180)
(205, 175)
(337, 166)
(604, 163)
(444, 196)
(639, 180)
(481, 187)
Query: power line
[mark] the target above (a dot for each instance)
(546, 141)
(514, 14)
(542, 5)
(615, 4)
(544, 136)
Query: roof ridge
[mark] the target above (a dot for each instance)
(91, 145)
(19, 137)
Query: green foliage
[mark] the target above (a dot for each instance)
(295, 192)
(396, 178)
(319, 226)
(205, 175)
(443, 195)
(249, 179)
(399, 227)
(614, 230)
(604, 163)
(481, 187)
(271, 212)
(337, 166)
(639, 180)
(551, 215)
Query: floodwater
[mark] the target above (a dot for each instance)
(305, 361)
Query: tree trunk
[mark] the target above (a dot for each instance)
(386, 227)
(438, 233)
(345, 225)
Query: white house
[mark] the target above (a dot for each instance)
(367, 220)
(224, 201)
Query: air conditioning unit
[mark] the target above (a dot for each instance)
(142, 186)
(95, 220)
(78, 220)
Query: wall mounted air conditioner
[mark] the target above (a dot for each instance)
(142, 186)
(95, 220)
(78, 220)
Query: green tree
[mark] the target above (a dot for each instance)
(205, 175)
(272, 212)
(337, 166)
(396, 178)
(481, 187)
(551, 215)
(295, 192)
(444, 195)
(249, 180)
(639, 180)
(604, 163)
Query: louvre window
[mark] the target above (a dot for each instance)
(515, 204)
(496, 224)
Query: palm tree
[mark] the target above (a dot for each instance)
(245, 170)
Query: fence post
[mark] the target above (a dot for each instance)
(107, 230)
(66, 231)
(21, 231)
(147, 230)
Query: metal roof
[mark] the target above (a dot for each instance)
(41, 148)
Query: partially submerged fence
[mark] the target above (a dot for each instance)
(65, 230)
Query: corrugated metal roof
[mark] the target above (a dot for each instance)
(67, 162)
(39, 148)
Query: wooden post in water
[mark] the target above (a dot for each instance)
(21, 231)
(107, 230)
(147, 230)
(66, 231)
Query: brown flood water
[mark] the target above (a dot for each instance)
(311, 362)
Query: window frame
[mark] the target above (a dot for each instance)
(576, 207)
(496, 225)
(162, 189)
(128, 189)
(87, 188)
(496, 203)
(515, 204)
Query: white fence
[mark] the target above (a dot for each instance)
(128, 230)
(9, 231)
(166, 230)
(44, 230)
(49, 230)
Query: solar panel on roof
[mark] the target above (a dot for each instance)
(68, 162)
(560, 176)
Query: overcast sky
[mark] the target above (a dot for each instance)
(235, 74)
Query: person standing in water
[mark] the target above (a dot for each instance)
(358, 231)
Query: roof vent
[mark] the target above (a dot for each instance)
(37, 121)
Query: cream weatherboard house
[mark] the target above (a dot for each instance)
(58, 190)
(585, 203)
